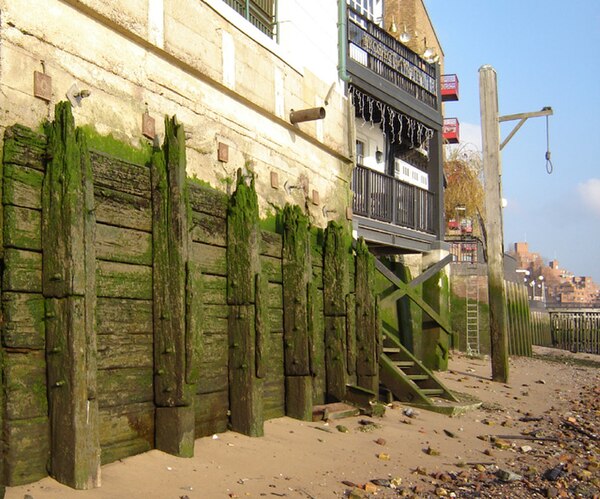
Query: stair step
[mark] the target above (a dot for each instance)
(391, 350)
(432, 391)
(403, 364)
(418, 377)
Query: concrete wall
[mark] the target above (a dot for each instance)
(197, 59)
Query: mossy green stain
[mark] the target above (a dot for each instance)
(242, 246)
(108, 144)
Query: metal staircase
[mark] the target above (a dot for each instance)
(409, 381)
(472, 315)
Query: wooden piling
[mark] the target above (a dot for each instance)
(69, 287)
(243, 265)
(170, 236)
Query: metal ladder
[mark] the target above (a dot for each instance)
(472, 315)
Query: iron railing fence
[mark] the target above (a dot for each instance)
(261, 13)
(376, 49)
(385, 198)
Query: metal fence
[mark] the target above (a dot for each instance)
(387, 199)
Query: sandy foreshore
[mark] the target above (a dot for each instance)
(425, 455)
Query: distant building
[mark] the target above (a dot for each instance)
(552, 283)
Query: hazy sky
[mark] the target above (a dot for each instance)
(545, 54)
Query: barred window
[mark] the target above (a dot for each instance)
(261, 13)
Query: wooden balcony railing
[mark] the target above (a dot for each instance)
(387, 199)
(380, 52)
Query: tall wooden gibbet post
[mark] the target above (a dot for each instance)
(492, 168)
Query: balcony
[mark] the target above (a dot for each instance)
(451, 130)
(386, 199)
(387, 59)
(449, 88)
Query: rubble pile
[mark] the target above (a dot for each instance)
(555, 454)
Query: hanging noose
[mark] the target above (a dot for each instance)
(549, 165)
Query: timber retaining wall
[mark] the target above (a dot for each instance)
(141, 310)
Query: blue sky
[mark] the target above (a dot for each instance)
(545, 54)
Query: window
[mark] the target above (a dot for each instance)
(261, 13)
(371, 9)
(360, 152)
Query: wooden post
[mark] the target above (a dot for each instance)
(243, 265)
(488, 93)
(335, 289)
(69, 287)
(296, 267)
(173, 395)
(367, 327)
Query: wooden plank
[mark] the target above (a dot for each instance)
(24, 147)
(23, 271)
(22, 186)
(204, 199)
(212, 260)
(367, 358)
(335, 270)
(211, 413)
(274, 296)
(194, 323)
(124, 351)
(123, 280)
(119, 175)
(271, 244)
(117, 244)
(317, 275)
(123, 316)
(126, 430)
(276, 320)
(25, 385)
(24, 321)
(208, 229)
(123, 210)
(170, 237)
(245, 389)
(26, 450)
(274, 397)
(298, 397)
(317, 337)
(124, 386)
(214, 317)
(214, 290)
(351, 334)
(335, 357)
(270, 267)
(295, 267)
(22, 228)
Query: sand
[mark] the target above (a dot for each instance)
(311, 460)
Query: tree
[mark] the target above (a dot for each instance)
(463, 170)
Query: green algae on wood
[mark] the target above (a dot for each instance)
(68, 237)
(367, 327)
(335, 269)
(174, 344)
(243, 265)
(296, 266)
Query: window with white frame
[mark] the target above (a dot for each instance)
(371, 9)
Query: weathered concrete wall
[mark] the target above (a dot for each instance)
(197, 59)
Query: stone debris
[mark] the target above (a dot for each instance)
(563, 462)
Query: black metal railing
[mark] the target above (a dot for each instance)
(261, 13)
(391, 60)
(387, 199)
